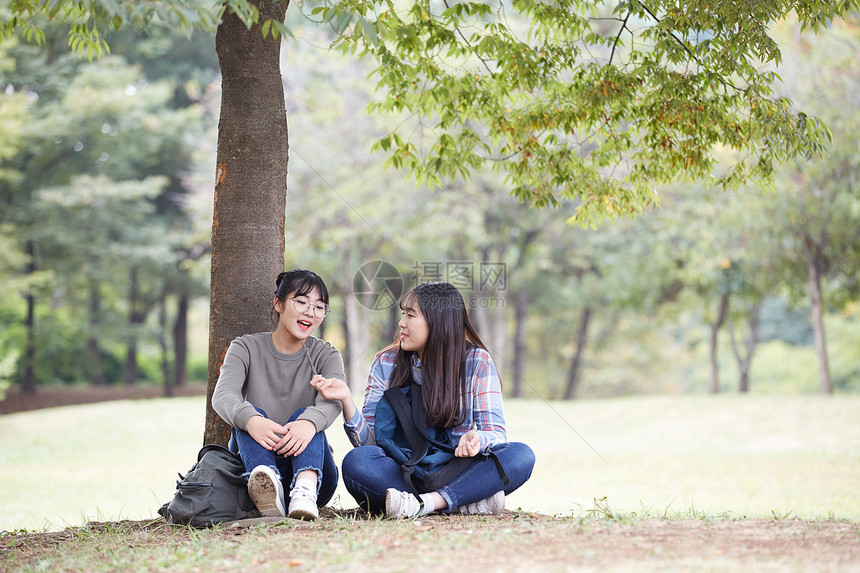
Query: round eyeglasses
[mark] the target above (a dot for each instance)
(319, 309)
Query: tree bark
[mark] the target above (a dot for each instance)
(722, 311)
(520, 315)
(576, 363)
(250, 191)
(816, 303)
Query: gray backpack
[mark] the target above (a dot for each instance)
(213, 491)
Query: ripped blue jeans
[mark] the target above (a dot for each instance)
(317, 456)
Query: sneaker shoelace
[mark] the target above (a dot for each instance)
(409, 505)
(303, 493)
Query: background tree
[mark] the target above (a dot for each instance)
(821, 199)
(570, 111)
(109, 121)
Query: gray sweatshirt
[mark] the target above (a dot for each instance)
(254, 373)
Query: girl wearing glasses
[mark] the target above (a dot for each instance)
(278, 418)
(437, 348)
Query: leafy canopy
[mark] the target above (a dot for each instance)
(573, 100)
(591, 101)
(88, 20)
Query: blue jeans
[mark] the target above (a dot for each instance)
(368, 472)
(316, 456)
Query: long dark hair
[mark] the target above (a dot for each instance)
(300, 281)
(443, 360)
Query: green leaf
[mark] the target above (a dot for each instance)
(369, 32)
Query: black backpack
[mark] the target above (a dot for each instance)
(425, 454)
(212, 492)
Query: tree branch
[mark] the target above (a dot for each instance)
(618, 36)
(471, 49)
(673, 36)
(681, 43)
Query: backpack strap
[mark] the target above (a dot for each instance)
(419, 417)
(417, 442)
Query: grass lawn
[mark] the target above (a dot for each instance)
(727, 455)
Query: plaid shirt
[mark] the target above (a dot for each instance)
(483, 397)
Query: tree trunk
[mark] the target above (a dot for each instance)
(480, 320)
(250, 191)
(320, 332)
(500, 331)
(97, 377)
(393, 324)
(744, 359)
(28, 381)
(520, 315)
(356, 331)
(576, 363)
(180, 341)
(487, 311)
(131, 352)
(345, 352)
(816, 303)
(162, 343)
(130, 369)
(722, 311)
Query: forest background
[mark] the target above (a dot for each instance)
(106, 178)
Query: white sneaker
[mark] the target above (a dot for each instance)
(266, 491)
(401, 504)
(492, 505)
(303, 504)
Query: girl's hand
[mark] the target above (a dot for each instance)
(264, 431)
(334, 389)
(297, 436)
(469, 446)
(331, 388)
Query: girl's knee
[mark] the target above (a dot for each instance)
(360, 462)
(518, 456)
(354, 459)
(525, 454)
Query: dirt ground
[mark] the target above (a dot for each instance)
(508, 542)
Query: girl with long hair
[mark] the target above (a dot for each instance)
(264, 392)
(438, 348)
